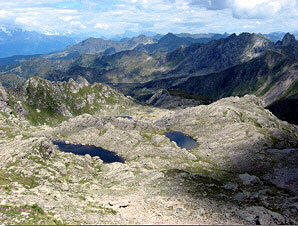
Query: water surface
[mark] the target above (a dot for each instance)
(182, 140)
(128, 117)
(79, 149)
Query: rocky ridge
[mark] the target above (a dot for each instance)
(100, 46)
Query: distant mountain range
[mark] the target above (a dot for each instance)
(18, 42)
(15, 41)
(100, 46)
(271, 73)
(139, 67)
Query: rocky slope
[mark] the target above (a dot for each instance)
(219, 182)
(219, 54)
(125, 66)
(42, 101)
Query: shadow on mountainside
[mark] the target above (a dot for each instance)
(286, 109)
(270, 185)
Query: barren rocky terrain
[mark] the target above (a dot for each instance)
(243, 171)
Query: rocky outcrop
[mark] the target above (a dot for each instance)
(41, 100)
(4, 101)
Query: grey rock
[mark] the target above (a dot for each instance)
(230, 186)
(3, 94)
(261, 215)
(162, 98)
(247, 179)
(240, 197)
(286, 177)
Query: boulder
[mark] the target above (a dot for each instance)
(260, 215)
(247, 179)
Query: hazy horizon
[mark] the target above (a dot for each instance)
(94, 18)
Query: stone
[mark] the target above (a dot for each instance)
(230, 186)
(240, 197)
(247, 179)
(88, 157)
(65, 187)
(61, 167)
(200, 212)
(261, 215)
(18, 138)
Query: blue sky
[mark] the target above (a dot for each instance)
(112, 17)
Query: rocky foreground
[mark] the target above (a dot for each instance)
(244, 170)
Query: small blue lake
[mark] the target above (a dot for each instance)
(128, 117)
(182, 140)
(149, 111)
(79, 149)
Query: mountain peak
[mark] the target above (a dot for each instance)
(170, 37)
(288, 39)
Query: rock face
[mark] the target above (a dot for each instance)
(167, 43)
(4, 100)
(3, 94)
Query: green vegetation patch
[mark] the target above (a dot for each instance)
(25, 215)
(102, 210)
(7, 177)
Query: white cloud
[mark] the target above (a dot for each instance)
(260, 9)
(107, 17)
(101, 26)
(78, 24)
(67, 18)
